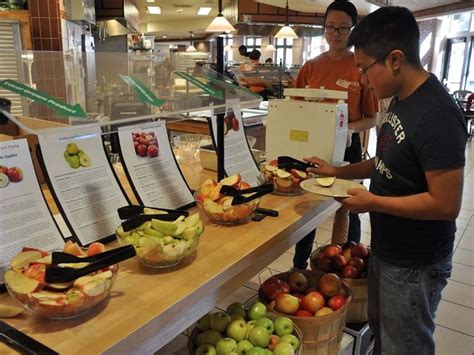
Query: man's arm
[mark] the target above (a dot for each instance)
(362, 124)
(441, 202)
(362, 170)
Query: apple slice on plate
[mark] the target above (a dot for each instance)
(326, 181)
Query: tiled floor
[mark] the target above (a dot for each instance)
(454, 333)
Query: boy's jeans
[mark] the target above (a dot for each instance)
(402, 305)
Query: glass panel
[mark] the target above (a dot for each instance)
(279, 55)
(250, 41)
(460, 22)
(258, 41)
(289, 57)
(455, 65)
(289, 41)
(280, 41)
(470, 77)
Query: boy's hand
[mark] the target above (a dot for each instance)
(361, 200)
(321, 167)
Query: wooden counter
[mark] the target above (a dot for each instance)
(149, 307)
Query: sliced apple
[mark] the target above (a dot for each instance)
(191, 220)
(302, 175)
(164, 227)
(181, 227)
(189, 233)
(283, 174)
(47, 295)
(147, 210)
(72, 248)
(94, 288)
(9, 311)
(208, 183)
(83, 280)
(283, 182)
(231, 180)
(19, 283)
(326, 181)
(271, 168)
(24, 258)
(152, 232)
(59, 286)
(74, 265)
(47, 260)
(121, 233)
(103, 275)
(215, 193)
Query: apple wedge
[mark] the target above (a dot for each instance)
(164, 227)
(271, 168)
(301, 175)
(147, 210)
(9, 311)
(283, 182)
(19, 283)
(215, 193)
(74, 265)
(326, 181)
(232, 180)
(24, 258)
(283, 174)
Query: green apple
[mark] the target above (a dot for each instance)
(84, 160)
(165, 227)
(268, 352)
(251, 325)
(257, 310)
(226, 346)
(243, 347)
(266, 323)
(236, 316)
(72, 148)
(204, 323)
(237, 330)
(74, 162)
(283, 348)
(210, 336)
(189, 233)
(283, 325)
(236, 308)
(153, 233)
(259, 336)
(292, 340)
(220, 321)
(206, 349)
(192, 220)
(256, 350)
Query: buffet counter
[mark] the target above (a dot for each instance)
(150, 307)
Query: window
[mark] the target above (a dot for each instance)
(460, 22)
(228, 54)
(253, 43)
(284, 51)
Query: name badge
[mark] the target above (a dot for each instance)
(342, 83)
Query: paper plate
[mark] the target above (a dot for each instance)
(338, 189)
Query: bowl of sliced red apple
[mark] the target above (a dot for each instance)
(25, 281)
(220, 208)
(285, 181)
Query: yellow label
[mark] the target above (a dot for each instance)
(300, 136)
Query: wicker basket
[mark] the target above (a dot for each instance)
(296, 332)
(357, 312)
(321, 335)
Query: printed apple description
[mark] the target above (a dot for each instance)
(238, 157)
(25, 220)
(149, 160)
(83, 181)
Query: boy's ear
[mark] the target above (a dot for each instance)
(395, 59)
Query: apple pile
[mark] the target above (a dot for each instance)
(145, 144)
(245, 332)
(284, 181)
(294, 296)
(162, 243)
(218, 208)
(8, 175)
(230, 123)
(76, 157)
(26, 282)
(348, 260)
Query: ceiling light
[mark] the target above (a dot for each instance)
(191, 48)
(286, 31)
(179, 11)
(164, 36)
(150, 0)
(220, 23)
(228, 48)
(154, 10)
(204, 11)
(270, 48)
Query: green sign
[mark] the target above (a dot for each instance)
(144, 93)
(59, 106)
(206, 88)
(233, 87)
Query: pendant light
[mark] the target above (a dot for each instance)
(270, 47)
(286, 31)
(191, 47)
(220, 23)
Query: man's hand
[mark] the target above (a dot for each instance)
(321, 167)
(361, 200)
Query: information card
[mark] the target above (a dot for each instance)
(149, 162)
(237, 154)
(25, 220)
(83, 182)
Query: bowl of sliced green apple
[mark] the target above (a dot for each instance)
(162, 244)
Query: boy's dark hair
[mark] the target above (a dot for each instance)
(385, 30)
(344, 6)
(255, 54)
(243, 51)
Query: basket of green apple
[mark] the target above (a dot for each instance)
(218, 207)
(25, 281)
(162, 244)
(349, 261)
(250, 332)
(316, 302)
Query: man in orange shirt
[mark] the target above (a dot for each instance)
(336, 70)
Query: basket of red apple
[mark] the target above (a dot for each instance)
(219, 208)
(25, 281)
(245, 331)
(316, 302)
(285, 181)
(349, 261)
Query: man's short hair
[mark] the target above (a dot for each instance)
(387, 29)
(255, 54)
(243, 51)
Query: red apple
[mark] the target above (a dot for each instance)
(235, 124)
(303, 313)
(298, 282)
(152, 151)
(332, 250)
(151, 133)
(3, 169)
(358, 263)
(346, 253)
(348, 245)
(336, 302)
(286, 303)
(329, 284)
(339, 262)
(274, 340)
(313, 301)
(350, 272)
(272, 286)
(153, 142)
(15, 174)
(244, 185)
(360, 250)
(323, 263)
(142, 140)
(142, 150)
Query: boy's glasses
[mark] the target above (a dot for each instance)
(363, 71)
(341, 30)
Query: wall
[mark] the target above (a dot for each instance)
(427, 42)
(45, 24)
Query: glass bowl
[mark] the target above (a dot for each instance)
(165, 248)
(221, 211)
(284, 182)
(58, 301)
(187, 145)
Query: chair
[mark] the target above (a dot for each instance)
(468, 116)
(461, 94)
